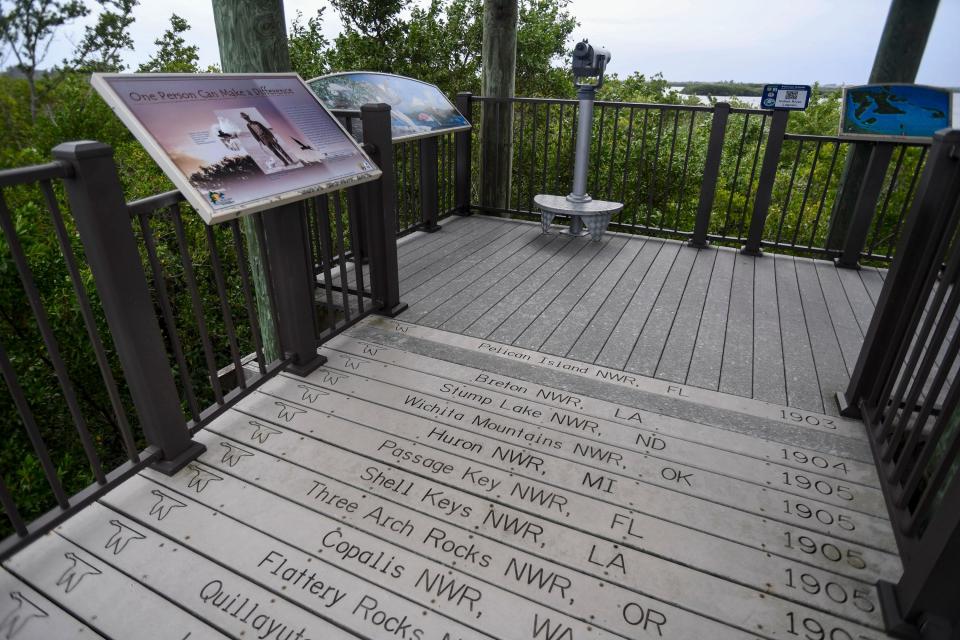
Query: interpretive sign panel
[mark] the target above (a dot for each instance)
(894, 112)
(417, 109)
(235, 144)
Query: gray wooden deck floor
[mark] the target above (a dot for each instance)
(428, 485)
(781, 329)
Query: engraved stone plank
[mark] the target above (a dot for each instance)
(739, 352)
(26, 613)
(646, 353)
(677, 352)
(618, 347)
(650, 432)
(555, 551)
(509, 452)
(361, 502)
(575, 251)
(88, 577)
(831, 370)
(588, 345)
(437, 291)
(323, 573)
(478, 282)
(707, 360)
(720, 403)
(224, 599)
(769, 379)
(483, 484)
(562, 280)
(421, 396)
(570, 296)
(581, 318)
(842, 315)
(487, 298)
(803, 388)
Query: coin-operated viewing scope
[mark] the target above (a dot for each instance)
(589, 62)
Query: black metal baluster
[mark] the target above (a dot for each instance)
(785, 210)
(823, 194)
(806, 193)
(246, 288)
(683, 176)
(736, 175)
(613, 152)
(225, 312)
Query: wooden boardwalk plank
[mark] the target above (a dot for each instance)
(707, 359)
(858, 296)
(616, 351)
(678, 350)
(827, 356)
(431, 266)
(552, 287)
(803, 386)
(582, 318)
(739, 354)
(26, 613)
(466, 268)
(873, 281)
(486, 279)
(646, 353)
(570, 296)
(842, 313)
(566, 260)
(491, 296)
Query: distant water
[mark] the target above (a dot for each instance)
(753, 101)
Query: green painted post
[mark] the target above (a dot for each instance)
(499, 56)
(252, 35)
(898, 57)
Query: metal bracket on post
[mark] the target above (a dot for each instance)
(711, 169)
(382, 221)
(429, 207)
(464, 160)
(288, 256)
(866, 205)
(103, 223)
(768, 173)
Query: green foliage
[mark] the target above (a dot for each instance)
(308, 46)
(173, 54)
(729, 88)
(104, 42)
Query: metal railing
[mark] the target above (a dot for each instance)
(184, 315)
(906, 388)
(703, 173)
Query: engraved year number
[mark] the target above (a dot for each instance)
(816, 461)
(809, 583)
(826, 550)
(804, 511)
(822, 487)
(806, 418)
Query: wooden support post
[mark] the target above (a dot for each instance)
(768, 173)
(103, 223)
(252, 35)
(898, 57)
(464, 164)
(382, 222)
(429, 205)
(711, 169)
(866, 205)
(499, 57)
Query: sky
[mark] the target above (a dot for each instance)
(782, 41)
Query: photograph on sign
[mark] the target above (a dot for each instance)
(237, 143)
(894, 111)
(417, 109)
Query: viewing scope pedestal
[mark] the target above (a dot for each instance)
(589, 63)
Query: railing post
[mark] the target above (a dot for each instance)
(464, 169)
(291, 272)
(711, 169)
(429, 206)
(913, 260)
(103, 223)
(768, 173)
(382, 221)
(866, 206)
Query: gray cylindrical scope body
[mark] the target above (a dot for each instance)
(582, 152)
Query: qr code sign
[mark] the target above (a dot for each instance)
(791, 95)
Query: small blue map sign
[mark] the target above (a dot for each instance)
(785, 97)
(894, 111)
